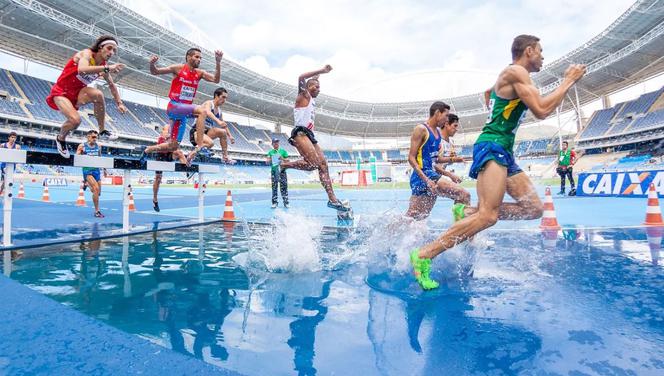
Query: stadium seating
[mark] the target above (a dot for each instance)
(37, 90)
(7, 85)
(625, 117)
(11, 108)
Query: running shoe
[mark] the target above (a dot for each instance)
(286, 205)
(108, 135)
(62, 148)
(98, 214)
(339, 205)
(572, 192)
(85, 186)
(155, 206)
(458, 212)
(421, 269)
(274, 205)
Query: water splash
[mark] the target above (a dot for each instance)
(290, 244)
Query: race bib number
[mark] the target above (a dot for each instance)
(275, 160)
(187, 93)
(87, 78)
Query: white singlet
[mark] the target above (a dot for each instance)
(304, 116)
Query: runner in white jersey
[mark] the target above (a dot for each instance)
(302, 136)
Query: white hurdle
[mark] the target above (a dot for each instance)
(13, 157)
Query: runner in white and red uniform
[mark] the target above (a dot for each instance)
(302, 136)
(71, 89)
(183, 90)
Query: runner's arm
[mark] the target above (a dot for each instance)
(79, 150)
(416, 142)
(218, 55)
(302, 80)
(487, 96)
(155, 70)
(540, 106)
(115, 93)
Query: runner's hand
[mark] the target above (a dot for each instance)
(575, 71)
(327, 68)
(122, 108)
(431, 185)
(455, 178)
(115, 68)
(153, 59)
(218, 54)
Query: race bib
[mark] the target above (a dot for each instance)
(87, 78)
(187, 93)
(275, 160)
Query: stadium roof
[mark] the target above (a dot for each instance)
(48, 31)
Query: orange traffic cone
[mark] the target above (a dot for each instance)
(21, 191)
(549, 220)
(132, 206)
(45, 196)
(653, 212)
(229, 215)
(80, 201)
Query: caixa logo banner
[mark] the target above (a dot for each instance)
(620, 184)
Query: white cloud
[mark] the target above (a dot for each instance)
(395, 50)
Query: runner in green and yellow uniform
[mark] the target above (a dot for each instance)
(493, 160)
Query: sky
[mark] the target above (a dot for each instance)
(381, 51)
(388, 50)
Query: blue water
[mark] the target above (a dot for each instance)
(295, 298)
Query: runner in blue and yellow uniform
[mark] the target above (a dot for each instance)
(92, 176)
(425, 153)
(493, 160)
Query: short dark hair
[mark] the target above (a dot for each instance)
(219, 91)
(92, 131)
(438, 106)
(12, 134)
(96, 46)
(452, 118)
(522, 42)
(311, 80)
(566, 143)
(191, 51)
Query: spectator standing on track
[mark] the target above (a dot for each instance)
(566, 160)
(279, 178)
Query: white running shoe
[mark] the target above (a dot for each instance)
(62, 148)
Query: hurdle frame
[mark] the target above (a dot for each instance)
(127, 165)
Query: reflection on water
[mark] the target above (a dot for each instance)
(578, 302)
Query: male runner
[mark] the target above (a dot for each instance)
(212, 132)
(71, 89)
(183, 90)
(302, 136)
(92, 176)
(566, 160)
(493, 161)
(164, 156)
(425, 155)
(10, 144)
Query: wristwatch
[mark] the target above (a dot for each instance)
(106, 69)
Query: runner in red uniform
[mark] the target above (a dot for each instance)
(71, 89)
(183, 90)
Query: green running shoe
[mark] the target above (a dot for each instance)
(421, 269)
(458, 212)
